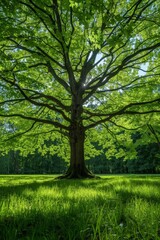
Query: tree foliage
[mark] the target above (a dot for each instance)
(70, 69)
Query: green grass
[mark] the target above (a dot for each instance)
(114, 207)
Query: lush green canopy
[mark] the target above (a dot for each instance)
(86, 65)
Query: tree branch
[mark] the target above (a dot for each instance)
(154, 133)
(30, 99)
(49, 97)
(60, 80)
(49, 57)
(22, 133)
(46, 121)
(123, 111)
(42, 20)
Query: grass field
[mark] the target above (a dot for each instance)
(114, 207)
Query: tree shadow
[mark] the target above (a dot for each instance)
(65, 223)
(74, 221)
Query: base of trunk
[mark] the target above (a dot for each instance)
(74, 173)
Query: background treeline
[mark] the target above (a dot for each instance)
(147, 161)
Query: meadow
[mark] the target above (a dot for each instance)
(39, 207)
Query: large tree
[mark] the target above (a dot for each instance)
(67, 67)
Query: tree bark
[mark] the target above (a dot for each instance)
(77, 167)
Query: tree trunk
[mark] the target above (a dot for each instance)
(77, 168)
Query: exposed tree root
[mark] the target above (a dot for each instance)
(77, 173)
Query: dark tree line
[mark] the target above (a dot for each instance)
(14, 163)
(147, 161)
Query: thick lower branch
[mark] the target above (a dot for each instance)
(56, 124)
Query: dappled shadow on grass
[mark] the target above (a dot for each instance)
(17, 184)
(70, 209)
(119, 185)
(65, 221)
(37, 225)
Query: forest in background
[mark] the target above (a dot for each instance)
(146, 161)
